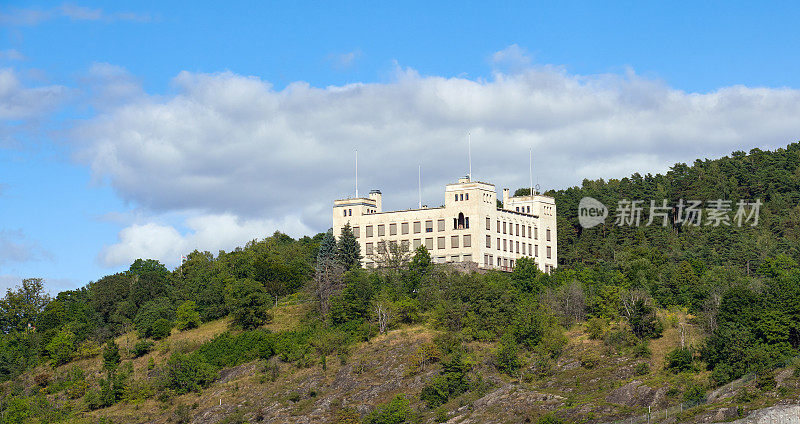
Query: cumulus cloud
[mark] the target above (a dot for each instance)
(35, 16)
(206, 232)
(16, 248)
(19, 102)
(232, 145)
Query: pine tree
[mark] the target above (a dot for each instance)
(347, 250)
(327, 249)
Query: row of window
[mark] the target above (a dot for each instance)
(459, 223)
(462, 196)
(517, 247)
(455, 243)
(525, 209)
(517, 229)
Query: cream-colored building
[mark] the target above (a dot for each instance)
(469, 227)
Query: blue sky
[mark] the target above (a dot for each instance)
(154, 128)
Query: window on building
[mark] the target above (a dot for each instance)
(466, 222)
(517, 231)
(350, 212)
(369, 248)
(456, 198)
(523, 249)
(504, 227)
(488, 241)
(369, 231)
(345, 212)
(548, 234)
(404, 245)
(440, 225)
(467, 240)
(511, 264)
(530, 233)
(536, 233)
(417, 227)
(392, 229)
(467, 258)
(417, 243)
(429, 243)
(485, 260)
(499, 261)
(498, 243)
(460, 222)
(529, 209)
(523, 231)
(462, 196)
(440, 242)
(536, 250)
(356, 232)
(530, 249)
(517, 244)
(404, 228)
(498, 226)
(505, 245)
(548, 252)
(381, 230)
(454, 242)
(428, 226)
(488, 223)
(466, 196)
(454, 258)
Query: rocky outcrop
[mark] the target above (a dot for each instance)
(637, 394)
(781, 414)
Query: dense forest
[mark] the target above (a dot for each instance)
(739, 284)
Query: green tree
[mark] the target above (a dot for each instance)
(348, 251)
(187, 317)
(161, 329)
(111, 356)
(396, 411)
(20, 308)
(188, 373)
(249, 304)
(327, 248)
(61, 348)
(150, 313)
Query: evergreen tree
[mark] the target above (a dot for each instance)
(327, 249)
(347, 250)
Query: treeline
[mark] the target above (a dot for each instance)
(740, 282)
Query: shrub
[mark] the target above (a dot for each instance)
(642, 368)
(549, 419)
(680, 359)
(161, 329)
(249, 304)
(42, 379)
(396, 411)
(150, 313)
(507, 357)
(694, 395)
(452, 381)
(111, 355)
(187, 373)
(187, 317)
(141, 348)
(595, 328)
(61, 347)
(88, 349)
(642, 350)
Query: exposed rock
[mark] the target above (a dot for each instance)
(783, 414)
(637, 394)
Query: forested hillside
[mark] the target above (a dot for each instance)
(680, 307)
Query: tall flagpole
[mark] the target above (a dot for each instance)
(469, 154)
(419, 182)
(356, 173)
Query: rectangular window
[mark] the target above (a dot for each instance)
(453, 242)
(428, 226)
(517, 209)
(504, 227)
(467, 258)
(548, 252)
(523, 231)
(498, 226)
(530, 249)
(440, 225)
(356, 231)
(485, 260)
(417, 227)
(467, 240)
(517, 233)
(517, 243)
(392, 229)
(404, 228)
(345, 212)
(369, 248)
(417, 243)
(511, 264)
(529, 232)
(499, 261)
(498, 243)
(535, 233)
(369, 230)
(404, 245)
(488, 241)
(523, 247)
(381, 230)
(429, 243)
(454, 258)
(488, 223)
(440, 242)
(440, 259)
(536, 250)
(548, 234)
(505, 245)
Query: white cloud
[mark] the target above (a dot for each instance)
(35, 16)
(20, 102)
(16, 248)
(344, 61)
(230, 144)
(206, 232)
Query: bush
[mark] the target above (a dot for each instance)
(680, 359)
(111, 355)
(42, 379)
(507, 358)
(595, 328)
(61, 347)
(187, 317)
(187, 373)
(161, 329)
(152, 312)
(549, 419)
(452, 381)
(141, 348)
(642, 350)
(249, 304)
(396, 411)
(88, 349)
(694, 395)
(642, 369)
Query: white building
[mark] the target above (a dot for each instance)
(469, 227)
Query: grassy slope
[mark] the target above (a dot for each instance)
(588, 383)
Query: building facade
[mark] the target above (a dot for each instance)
(468, 228)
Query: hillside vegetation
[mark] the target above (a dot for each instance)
(695, 323)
